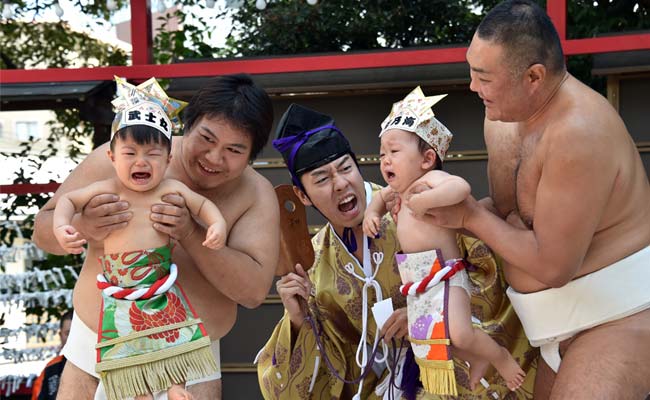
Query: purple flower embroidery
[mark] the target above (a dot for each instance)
(421, 326)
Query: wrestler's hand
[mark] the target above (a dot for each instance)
(215, 238)
(414, 201)
(395, 208)
(396, 326)
(69, 239)
(371, 224)
(392, 201)
(453, 216)
(172, 217)
(102, 215)
(294, 289)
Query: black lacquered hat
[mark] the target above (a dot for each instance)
(307, 140)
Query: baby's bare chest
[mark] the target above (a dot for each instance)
(416, 235)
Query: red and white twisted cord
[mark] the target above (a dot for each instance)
(412, 288)
(160, 286)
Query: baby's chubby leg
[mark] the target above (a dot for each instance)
(175, 392)
(477, 346)
(178, 392)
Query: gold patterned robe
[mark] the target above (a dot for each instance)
(288, 361)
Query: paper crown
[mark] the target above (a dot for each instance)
(308, 139)
(413, 114)
(145, 104)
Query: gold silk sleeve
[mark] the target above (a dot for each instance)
(299, 372)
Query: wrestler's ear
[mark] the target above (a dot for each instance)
(428, 159)
(302, 196)
(535, 76)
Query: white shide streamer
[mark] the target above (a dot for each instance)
(33, 354)
(41, 331)
(42, 299)
(30, 281)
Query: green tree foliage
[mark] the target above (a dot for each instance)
(191, 40)
(589, 18)
(53, 45)
(294, 27)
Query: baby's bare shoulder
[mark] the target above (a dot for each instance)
(170, 185)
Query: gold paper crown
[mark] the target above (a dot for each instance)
(145, 104)
(413, 114)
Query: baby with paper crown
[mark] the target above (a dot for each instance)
(150, 339)
(413, 146)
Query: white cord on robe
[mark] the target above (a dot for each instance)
(368, 282)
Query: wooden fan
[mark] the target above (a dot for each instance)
(295, 243)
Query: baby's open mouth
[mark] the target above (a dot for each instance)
(139, 176)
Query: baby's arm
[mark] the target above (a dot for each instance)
(436, 189)
(66, 207)
(206, 211)
(374, 212)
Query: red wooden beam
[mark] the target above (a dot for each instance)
(307, 63)
(269, 65)
(27, 188)
(141, 40)
(556, 10)
(606, 44)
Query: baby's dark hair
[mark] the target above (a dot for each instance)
(142, 134)
(424, 146)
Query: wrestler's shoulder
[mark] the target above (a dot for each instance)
(254, 183)
(586, 111)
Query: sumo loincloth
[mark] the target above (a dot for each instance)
(611, 293)
(149, 335)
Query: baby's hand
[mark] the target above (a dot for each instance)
(371, 223)
(215, 238)
(69, 239)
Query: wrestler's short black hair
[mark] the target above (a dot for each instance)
(239, 101)
(423, 146)
(142, 134)
(527, 34)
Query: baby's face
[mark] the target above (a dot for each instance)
(400, 159)
(140, 167)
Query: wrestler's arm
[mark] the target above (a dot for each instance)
(205, 210)
(375, 210)
(103, 214)
(243, 269)
(437, 189)
(576, 182)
